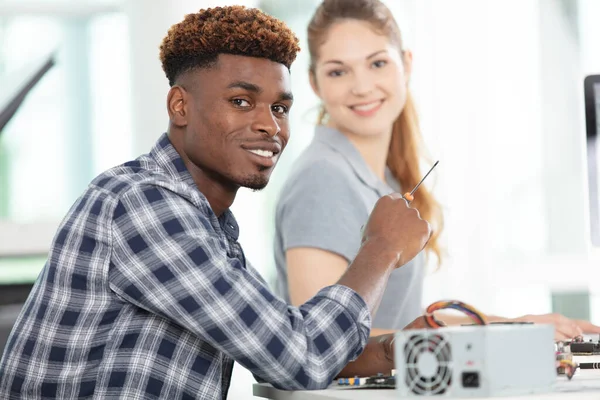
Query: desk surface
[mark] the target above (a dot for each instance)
(578, 389)
(584, 386)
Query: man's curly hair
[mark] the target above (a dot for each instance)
(197, 41)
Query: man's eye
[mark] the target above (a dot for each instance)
(279, 109)
(240, 102)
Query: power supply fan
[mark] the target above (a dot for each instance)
(428, 363)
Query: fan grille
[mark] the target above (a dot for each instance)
(428, 363)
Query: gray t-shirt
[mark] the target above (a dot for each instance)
(324, 204)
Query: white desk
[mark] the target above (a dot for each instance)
(584, 386)
(562, 393)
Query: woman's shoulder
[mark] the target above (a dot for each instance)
(320, 206)
(312, 174)
(320, 164)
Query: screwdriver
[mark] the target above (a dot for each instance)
(408, 196)
(589, 365)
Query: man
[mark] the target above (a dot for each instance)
(146, 292)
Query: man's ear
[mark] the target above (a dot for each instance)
(313, 83)
(177, 105)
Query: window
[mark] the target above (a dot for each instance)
(74, 123)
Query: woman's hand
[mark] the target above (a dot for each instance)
(564, 328)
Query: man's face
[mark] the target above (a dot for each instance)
(237, 117)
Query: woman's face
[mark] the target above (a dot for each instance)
(361, 79)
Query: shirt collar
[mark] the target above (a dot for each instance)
(170, 161)
(340, 144)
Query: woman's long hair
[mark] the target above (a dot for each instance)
(405, 151)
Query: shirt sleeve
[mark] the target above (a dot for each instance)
(322, 209)
(166, 259)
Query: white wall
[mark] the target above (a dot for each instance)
(589, 33)
(498, 85)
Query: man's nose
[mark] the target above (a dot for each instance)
(266, 123)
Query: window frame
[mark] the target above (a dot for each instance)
(33, 239)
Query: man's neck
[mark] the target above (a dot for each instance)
(220, 195)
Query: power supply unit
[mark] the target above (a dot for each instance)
(475, 361)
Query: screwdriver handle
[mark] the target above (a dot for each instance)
(589, 365)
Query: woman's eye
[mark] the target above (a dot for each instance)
(335, 73)
(379, 63)
(241, 102)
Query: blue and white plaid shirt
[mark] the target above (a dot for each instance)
(146, 294)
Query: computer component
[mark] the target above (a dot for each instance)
(585, 348)
(379, 381)
(592, 121)
(353, 382)
(565, 365)
(579, 347)
(475, 361)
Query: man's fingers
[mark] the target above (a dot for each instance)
(418, 323)
(395, 196)
(398, 196)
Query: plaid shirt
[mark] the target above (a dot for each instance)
(146, 294)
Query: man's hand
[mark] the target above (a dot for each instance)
(564, 328)
(418, 323)
(393, 235)
(397, 227)
(378, 356)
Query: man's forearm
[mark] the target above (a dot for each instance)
(378, 356)
(379, 331)
(369, 273)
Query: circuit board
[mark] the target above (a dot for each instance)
(579, 347)
(378, 381)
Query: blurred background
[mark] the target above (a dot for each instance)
(499, 89)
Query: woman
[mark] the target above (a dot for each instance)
(367, 144)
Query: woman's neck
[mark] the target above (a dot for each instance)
(373, 149)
